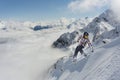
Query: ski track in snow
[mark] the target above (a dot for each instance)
(107, 70)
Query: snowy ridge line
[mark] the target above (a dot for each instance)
(100, 64)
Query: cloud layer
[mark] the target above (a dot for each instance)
(115, 6)
(87, 5)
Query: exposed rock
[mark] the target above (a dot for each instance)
(65, 40)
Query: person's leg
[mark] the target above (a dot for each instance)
(76, 51)
(81, 49)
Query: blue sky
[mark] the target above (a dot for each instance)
(35, 10)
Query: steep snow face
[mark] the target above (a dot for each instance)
(110, 17)
(106, 22)
(111, 33)
(103, 64)
(108, 36)
(114, 22)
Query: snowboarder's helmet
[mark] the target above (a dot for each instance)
(86, 34)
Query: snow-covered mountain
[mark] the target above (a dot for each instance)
(104, 63)
(80, 23)
(66, 39)
(113, 30)
(99, 26)
(106, 22)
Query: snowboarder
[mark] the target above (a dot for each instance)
(83, 40)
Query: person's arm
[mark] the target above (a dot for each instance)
(79, 38)
(90, 45)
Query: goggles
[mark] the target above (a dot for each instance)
(85, 36)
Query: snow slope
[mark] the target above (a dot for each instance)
(103, 64)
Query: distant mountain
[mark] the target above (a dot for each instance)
(2, 25)
(38, 27)
(23, 25)
(79, 24)
(11, 25)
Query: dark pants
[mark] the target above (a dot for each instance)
(78, 48)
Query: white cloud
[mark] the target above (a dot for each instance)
(87, 5)
(115, 6)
